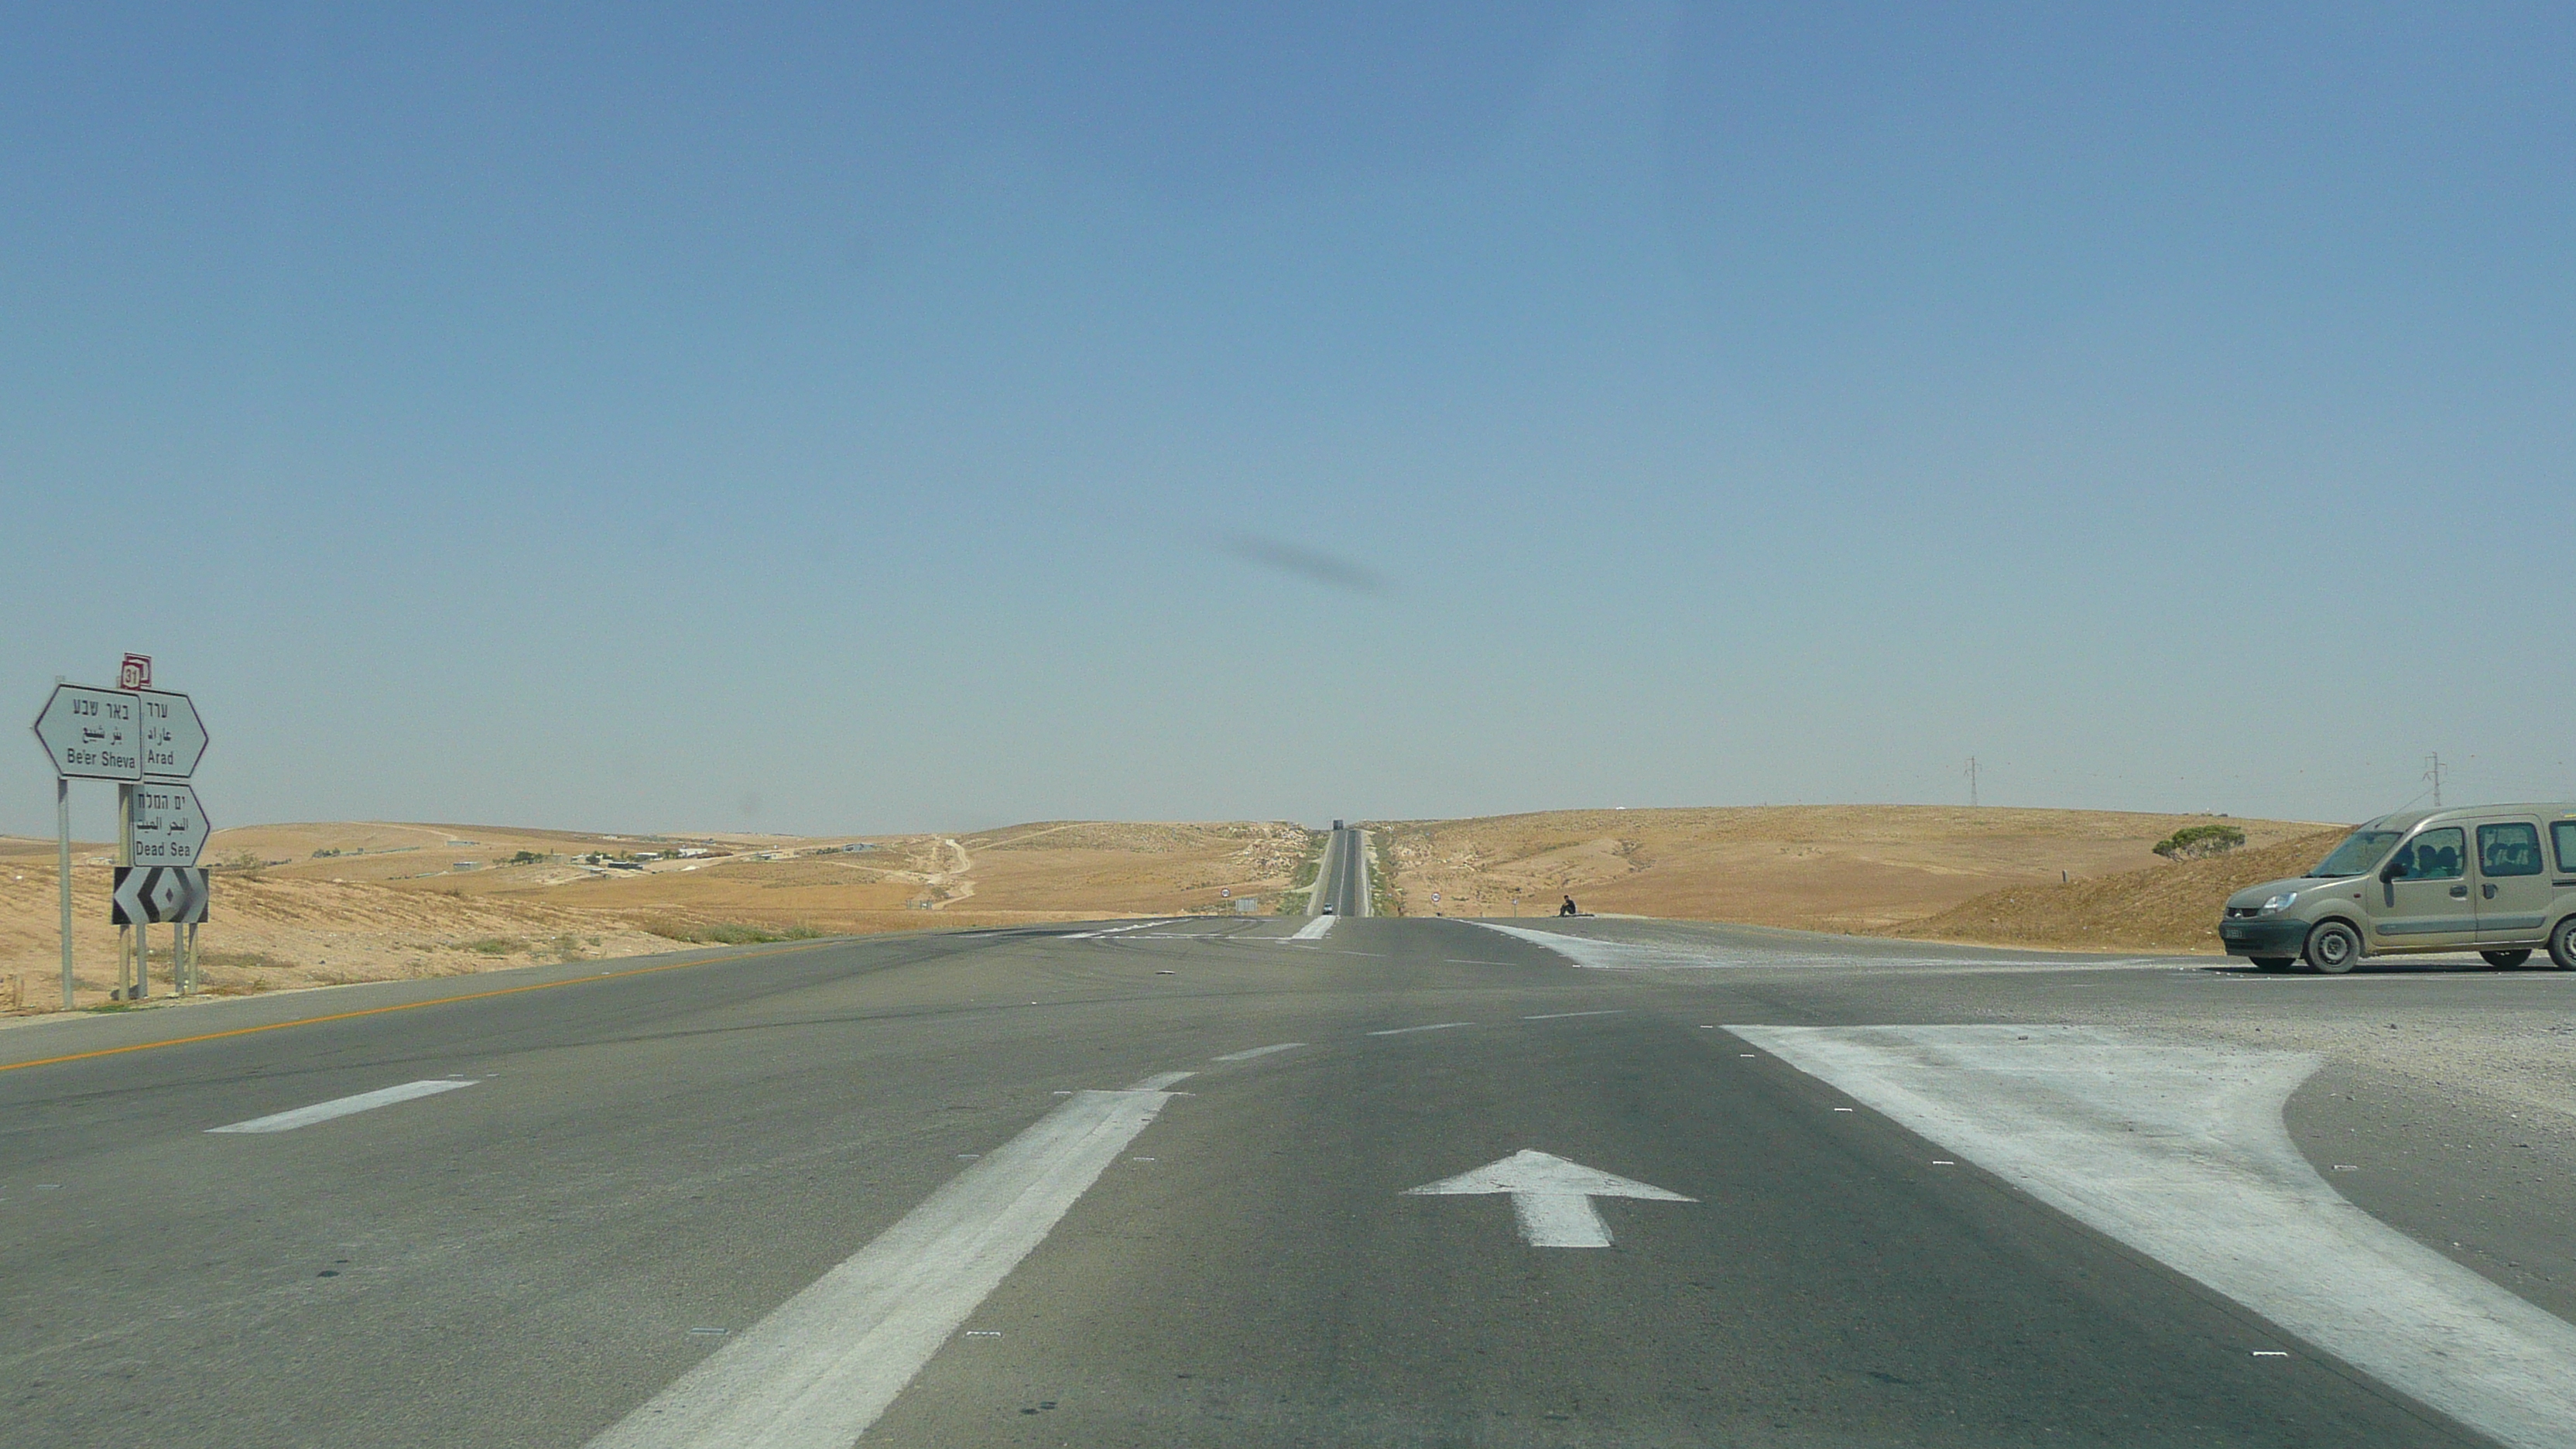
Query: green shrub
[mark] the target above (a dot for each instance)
(728, 933)
(2200, 842)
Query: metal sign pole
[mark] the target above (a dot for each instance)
(63, 861)
(138, 983)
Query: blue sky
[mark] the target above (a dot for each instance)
(868, 418)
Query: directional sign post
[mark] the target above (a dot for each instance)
(1550, 1196)
(148, 741)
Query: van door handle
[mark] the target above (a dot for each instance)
(2459, 893)
(2488, 891)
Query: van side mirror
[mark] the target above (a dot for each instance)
(2391, 871)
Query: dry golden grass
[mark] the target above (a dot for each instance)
(2164, 907)
(329, 903)
(391, 903)
(1833, 868)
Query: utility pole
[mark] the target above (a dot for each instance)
(2433, 771)
(1971, 773)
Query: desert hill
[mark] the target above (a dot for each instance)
(1810, 867)
(333, 902)
(322, 903)
(2169, 906)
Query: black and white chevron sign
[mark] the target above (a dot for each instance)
(158, 893)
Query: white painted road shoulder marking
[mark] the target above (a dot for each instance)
(1314, 930)
(1551, 1197)
(1161, 1081)
(1118, 930)
(1250, 1053)
(344, 1106)
(1409, 1030)
(2178, 1150)
(1599, 955)
(825, 1364)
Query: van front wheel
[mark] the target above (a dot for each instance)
(2562, 945)
(2333, 948)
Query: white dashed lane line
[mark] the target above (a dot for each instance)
(1260, 1051)
(1409, 1030)
(818, 1370)
(345, 1106)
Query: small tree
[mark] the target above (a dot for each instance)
(2200, 842)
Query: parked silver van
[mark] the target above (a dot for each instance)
(2499, 880)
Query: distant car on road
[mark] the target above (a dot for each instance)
(2496, 879)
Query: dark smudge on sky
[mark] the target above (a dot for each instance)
(1306, 563)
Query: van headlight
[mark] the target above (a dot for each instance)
(2280, 903)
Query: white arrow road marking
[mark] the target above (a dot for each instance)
(1551, 1196)
(2177, 1149)
(345, 1106)
(823, 1365)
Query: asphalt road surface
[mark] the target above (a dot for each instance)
(1161, 1184)
(1341, 879)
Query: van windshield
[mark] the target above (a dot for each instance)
(2359, 852)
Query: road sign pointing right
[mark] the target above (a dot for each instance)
(169, 825)
(174, 739)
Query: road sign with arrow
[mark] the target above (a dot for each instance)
(92, 734)
(169, 825)
(1551, 1196)
(174, 739)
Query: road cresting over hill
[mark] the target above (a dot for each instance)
(2177, 1149)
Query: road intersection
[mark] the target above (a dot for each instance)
(1228, 1180)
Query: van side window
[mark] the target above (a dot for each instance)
(2512, 849)
(2565, 830)
(2433, 855)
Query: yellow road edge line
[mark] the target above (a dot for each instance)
(145, 1046)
